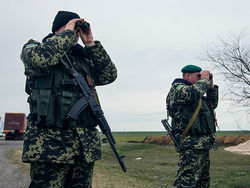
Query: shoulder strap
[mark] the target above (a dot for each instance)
(191, 121)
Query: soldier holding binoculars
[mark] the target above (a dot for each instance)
(190, 103)
(62, 150)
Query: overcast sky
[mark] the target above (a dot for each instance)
(148, 40)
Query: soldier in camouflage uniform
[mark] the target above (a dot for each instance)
(62, 151)
(182, 101)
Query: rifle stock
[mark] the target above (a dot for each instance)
(169, 130)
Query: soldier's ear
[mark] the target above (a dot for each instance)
(186, 75)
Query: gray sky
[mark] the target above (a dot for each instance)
(148, 40)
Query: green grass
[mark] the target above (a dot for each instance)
(158, 165)
(134, 136)
(229, 170)
(155, 166)
(139, 136)
(148, 165)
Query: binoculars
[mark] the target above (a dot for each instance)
(210, 76)
(82, 25)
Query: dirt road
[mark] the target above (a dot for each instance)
(10, 177)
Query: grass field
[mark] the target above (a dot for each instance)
(139, 136)
(155, 166)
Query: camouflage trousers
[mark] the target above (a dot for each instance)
(193, 169)
(48, 175)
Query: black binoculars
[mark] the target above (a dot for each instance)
(210, 76)
(84, 26)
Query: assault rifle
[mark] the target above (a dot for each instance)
(86, 100)
(169, 130)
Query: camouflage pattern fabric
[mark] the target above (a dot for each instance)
(181, 102)
(183, 95)
(62, 146)
(38, 58)
(104, 70)
(60, 175)
(193, 169)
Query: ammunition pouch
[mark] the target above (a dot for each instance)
(50, 102)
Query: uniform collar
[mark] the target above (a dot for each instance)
(180, 80)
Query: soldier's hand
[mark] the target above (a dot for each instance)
(211, 78)
(205, 74)
(71, 25)
(87, 37)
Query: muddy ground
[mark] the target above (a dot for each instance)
(237, 144)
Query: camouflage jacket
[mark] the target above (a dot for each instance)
(182, 101)
(64, 145)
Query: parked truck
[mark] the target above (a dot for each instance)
(14, 126)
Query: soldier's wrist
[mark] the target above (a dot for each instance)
(90, 44)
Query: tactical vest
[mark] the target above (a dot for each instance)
(204, 122)
(50, 101)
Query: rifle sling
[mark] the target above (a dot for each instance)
(191, 121)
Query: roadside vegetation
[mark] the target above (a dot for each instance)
(151, 165)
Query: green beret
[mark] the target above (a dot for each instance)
(191, 68)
